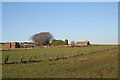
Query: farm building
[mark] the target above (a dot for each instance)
(11, 45)
(7, 45)
(26, 46)
(15, 45)
(82, 43)
(72, 43)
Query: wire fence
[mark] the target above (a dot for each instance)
(59, 56)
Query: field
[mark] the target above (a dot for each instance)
(100, 61)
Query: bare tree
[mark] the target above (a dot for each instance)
(43, 38)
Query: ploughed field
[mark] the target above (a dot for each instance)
(100, 61)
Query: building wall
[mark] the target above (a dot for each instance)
(13, 45)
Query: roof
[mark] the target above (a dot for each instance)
(82, 42)
(26, 44)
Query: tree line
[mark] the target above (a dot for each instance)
(46, 38)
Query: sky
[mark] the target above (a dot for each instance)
(93, 21)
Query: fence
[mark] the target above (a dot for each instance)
(58, 57)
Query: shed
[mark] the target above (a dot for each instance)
(26, 45)
(82, 43)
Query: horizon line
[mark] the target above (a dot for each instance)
(32, 41)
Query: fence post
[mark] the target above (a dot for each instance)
(56, 58)
(30, 58)
(44, 56)
(58, 55)
(6, 59)
(77, 51)
(21, 59)
(51, 58)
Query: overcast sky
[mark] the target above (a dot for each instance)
(93, 21)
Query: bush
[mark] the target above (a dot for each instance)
(59, 42)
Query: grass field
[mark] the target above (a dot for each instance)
(92, 65)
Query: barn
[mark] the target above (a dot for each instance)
(82, 43)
